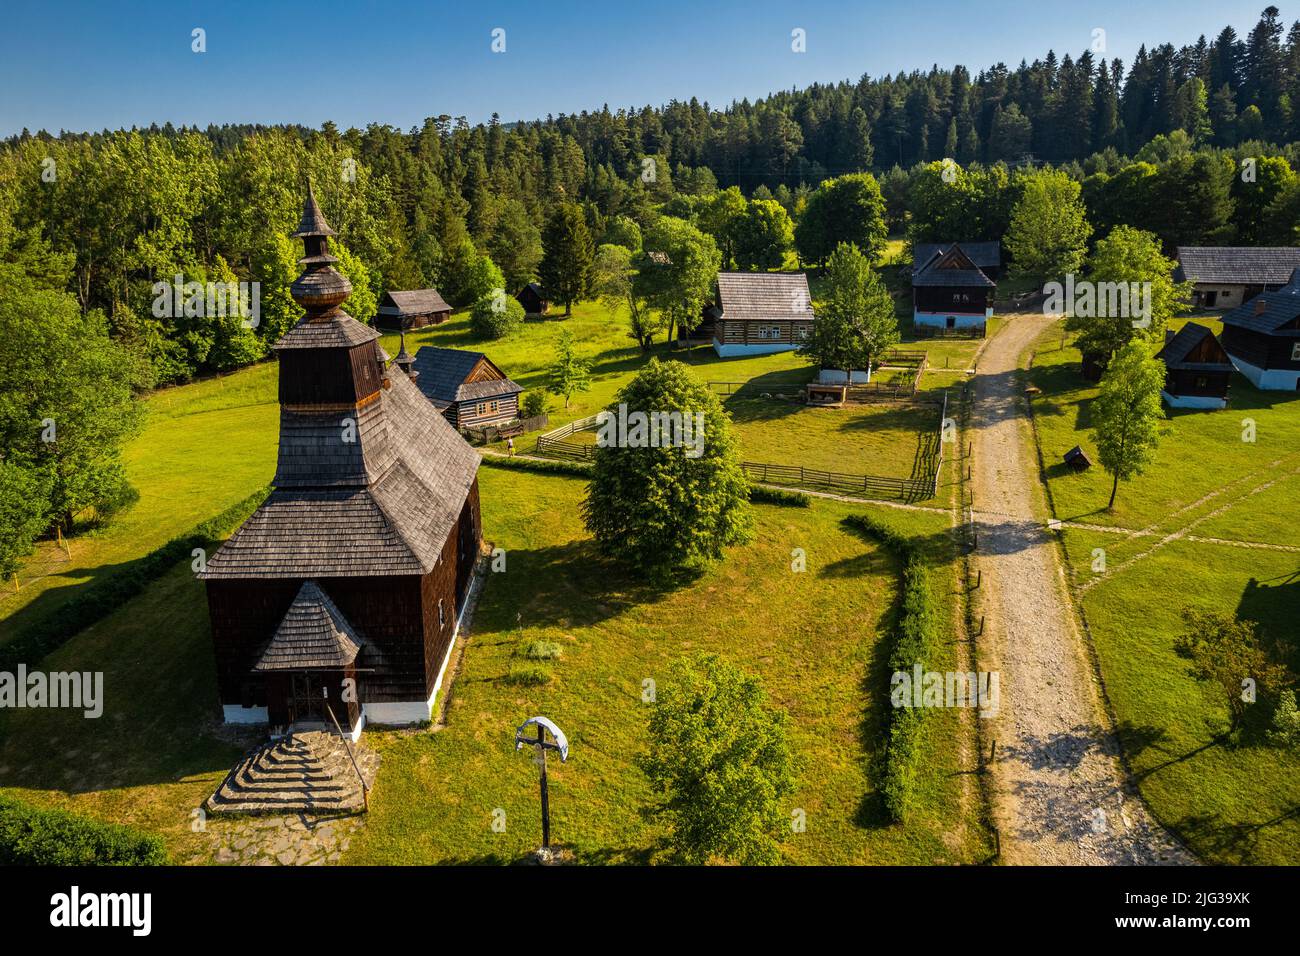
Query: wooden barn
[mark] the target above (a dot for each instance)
(412, 310)
(533, 299)
(1223, 277)
(466, 387)
(1263, 338)
(761, 312)
(1197, 369)
(950, 290)
(987, 256)
(342, 593)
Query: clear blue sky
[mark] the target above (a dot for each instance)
(94, 65)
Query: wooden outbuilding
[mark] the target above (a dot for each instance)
(466, 387)
(949, 289)
(1262, 337)
(340, 597)
(1197, 369)
(1077, 459)
(414, 309)
(533, 299)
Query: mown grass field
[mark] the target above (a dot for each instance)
(1231, 801)
(816, 639)
(203, 447)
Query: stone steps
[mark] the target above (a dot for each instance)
(302, 773)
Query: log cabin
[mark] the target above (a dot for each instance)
(1262, 337)
(341, 597)
(1197, 369)
(1223, 277)
(949, 289)
(403, 311)
(533, 299)
(466, 387)
(761, 312)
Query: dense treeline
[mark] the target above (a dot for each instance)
(636, 206)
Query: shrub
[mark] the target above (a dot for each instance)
(570, 469)
(32, 836)
(527, 675)
(542, 651)
(495, 316)
(777, 496)
(534, 404)
(914, 639)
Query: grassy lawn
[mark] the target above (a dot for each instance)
(1199, 453)
(1232, 802)
(818, 648)
(157, 752)
(204, 447)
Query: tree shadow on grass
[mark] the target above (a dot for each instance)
(568, 585)
(1237, 842)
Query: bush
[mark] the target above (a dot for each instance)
(570, 469)
(914, 640)
(534, 404)
(527, 675)
(32, 836)
(777, 496)
(542, 651)
(495, 316)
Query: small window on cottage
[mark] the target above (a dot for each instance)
(482, 407)
(442, 616)
(1295, 352)
(1202, 382)
(801, 332)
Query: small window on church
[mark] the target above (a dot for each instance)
(442, 616)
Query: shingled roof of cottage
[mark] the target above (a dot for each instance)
(413, 302)
(950, 267)
(370, 478)
(1236, 265)
(443, 373)
(1271, 313)
(757, 296)
(314, 633)
(983, 254)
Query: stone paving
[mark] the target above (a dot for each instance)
(298, 839)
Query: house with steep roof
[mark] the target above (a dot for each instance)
(950, 290)
(466, 387)
(1197, 369)
(340, 598)
(761, 312)
(1223, 277)
(1263, 337)
(987, 256)
(413, 309)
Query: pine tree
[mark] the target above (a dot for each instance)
(568, 251)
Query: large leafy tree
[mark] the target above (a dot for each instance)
(676, 272)
(720, 762)
(844, 209)
(614, 282)
(66, 401)
(659, 508)
(1133, 259)
(762, 235)
(1049, 230)
(856, 319)
(1126, 414)
(565, 270)
(719, 217)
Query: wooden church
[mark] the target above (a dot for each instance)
(340, 598)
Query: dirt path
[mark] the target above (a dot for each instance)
(1060, 794)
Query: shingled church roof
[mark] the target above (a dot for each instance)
(313, 633)
(362, 488)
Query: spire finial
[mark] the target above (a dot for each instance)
(321, 288)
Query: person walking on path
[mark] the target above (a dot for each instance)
(510, 447)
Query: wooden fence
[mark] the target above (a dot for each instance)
(553, 444)
(870, 486)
